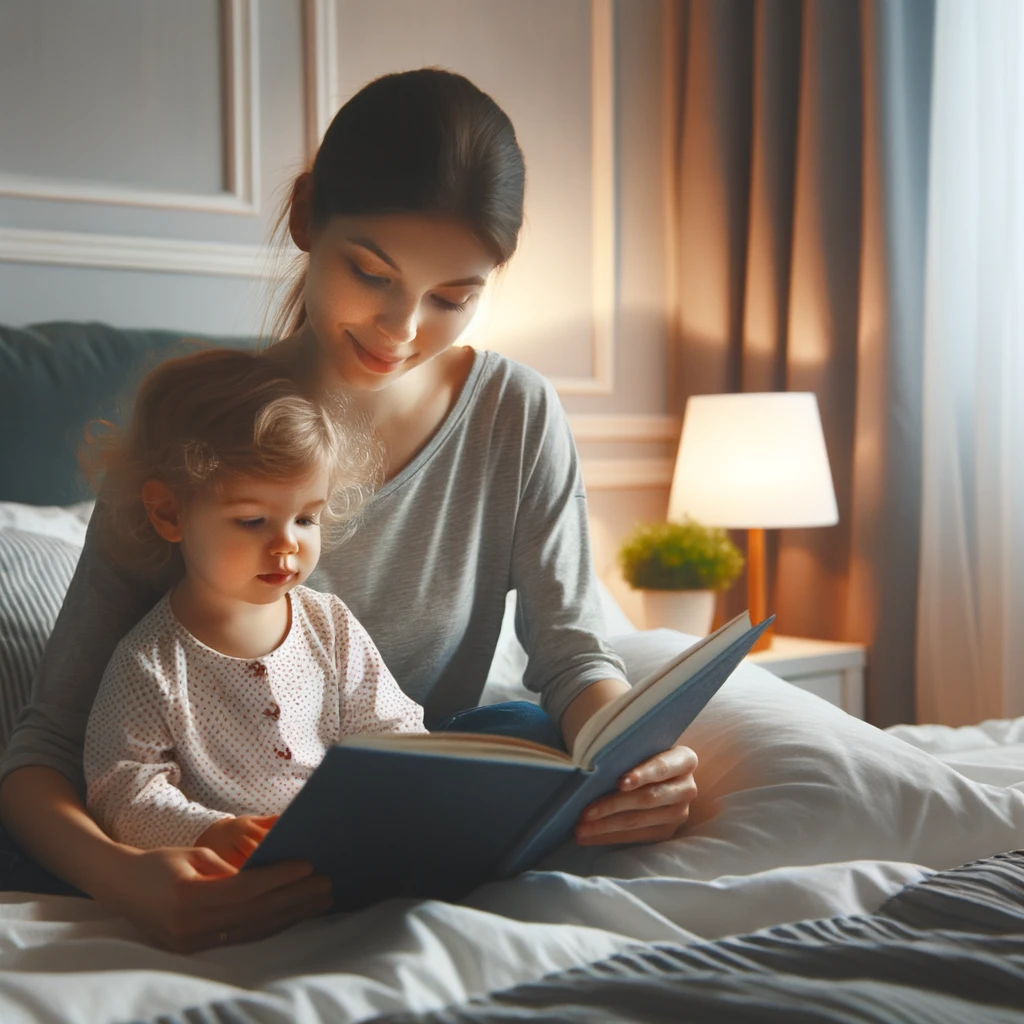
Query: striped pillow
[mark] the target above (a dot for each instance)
(35, 571)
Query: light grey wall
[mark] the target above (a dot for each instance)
(162, 61)
(111, 112)
(173, 64)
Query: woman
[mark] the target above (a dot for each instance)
(414, 201)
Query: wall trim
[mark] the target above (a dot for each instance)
(320, 43)
(241, 115)
(626, 474)
(602, 189)
(242, 107)
(627, 427)
(125, 252)
(320, 26)
(671, 91)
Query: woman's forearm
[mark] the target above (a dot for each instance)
(586, 703)
(43, 813)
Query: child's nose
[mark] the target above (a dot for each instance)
(284, 543)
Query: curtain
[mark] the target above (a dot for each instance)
(971, 610)
(800, 140)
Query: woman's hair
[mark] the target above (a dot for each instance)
(427, 142)
(218, 414)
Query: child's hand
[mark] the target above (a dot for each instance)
(234, 839)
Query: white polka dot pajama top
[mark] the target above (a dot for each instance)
(181, 736)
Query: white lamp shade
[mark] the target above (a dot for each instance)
(752, 461)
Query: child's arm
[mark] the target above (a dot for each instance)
(234, 839)
(371, 699)
(131, 774)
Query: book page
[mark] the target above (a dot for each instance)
(469, 745)
(613, 719)
(603, 716)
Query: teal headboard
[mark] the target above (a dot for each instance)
(56, 377)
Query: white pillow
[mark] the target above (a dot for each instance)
(786, 778)
(68, 522)
(39, 548)
(35, 572)
(616, 620)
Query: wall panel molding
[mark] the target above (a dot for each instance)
(241, 145)
(670, 111)
(626, 474)
(638, 428)
(129, 252)
(242, 101)
(320, 41)
(602, 188)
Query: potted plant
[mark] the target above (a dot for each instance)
(678, 567)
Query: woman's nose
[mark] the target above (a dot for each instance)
(399, 322)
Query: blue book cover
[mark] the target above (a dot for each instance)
(435, 815)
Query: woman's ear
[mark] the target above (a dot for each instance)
(301, 210)
(163, 509)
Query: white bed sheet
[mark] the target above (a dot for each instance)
(804, 812)
(67, 960)
(992, 752)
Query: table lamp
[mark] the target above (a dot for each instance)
(753, 461)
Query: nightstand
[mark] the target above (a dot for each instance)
(832, 670)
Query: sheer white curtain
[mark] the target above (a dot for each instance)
(970, 655)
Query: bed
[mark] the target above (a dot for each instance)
(830, 870)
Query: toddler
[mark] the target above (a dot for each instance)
(216, 708)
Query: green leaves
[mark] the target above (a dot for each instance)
(679, 556)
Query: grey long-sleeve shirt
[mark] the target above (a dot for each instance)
(493, 502)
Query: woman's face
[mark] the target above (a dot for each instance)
(387, 293)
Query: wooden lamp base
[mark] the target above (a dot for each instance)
(757, 590)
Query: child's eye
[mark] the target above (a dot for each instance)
(371, 279)
(250, 523)
(307, 521)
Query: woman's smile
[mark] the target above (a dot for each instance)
(373, 361)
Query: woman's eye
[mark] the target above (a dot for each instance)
(454, 307)
(250, 524)
(372, 279)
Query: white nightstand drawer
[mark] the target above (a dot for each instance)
(828, 686)
(831, 670)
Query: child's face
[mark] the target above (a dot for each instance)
(254, 540)
(385, 294)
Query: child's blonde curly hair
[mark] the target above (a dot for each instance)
(214, 415)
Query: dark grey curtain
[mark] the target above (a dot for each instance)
(802, 144)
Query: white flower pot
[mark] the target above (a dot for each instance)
(689, 611)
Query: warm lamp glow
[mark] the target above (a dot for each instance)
(753, 461)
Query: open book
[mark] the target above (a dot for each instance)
(434, 815)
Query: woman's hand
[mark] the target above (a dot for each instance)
(652, 801)
(653, 798)
(188, 899)
(234, 839)
(183, 898)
